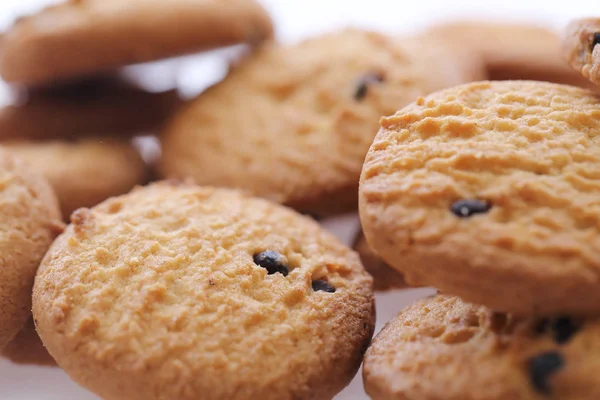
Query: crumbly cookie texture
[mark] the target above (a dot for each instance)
(510, 50)
(27, 348)
(580, 47)
(175, 291)
(293, 123)
(384, 276)
(79, 38)
(99, 107)
(443, 348)
(489, 191)
(29, 221)
(84, 172)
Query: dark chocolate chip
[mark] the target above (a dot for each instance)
(364, 83)
(596, 40)
(324, 286)
(467, 208)
(272, 261)
(542, 367)
(563, 329)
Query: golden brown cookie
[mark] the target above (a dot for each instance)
(29, 221)
(83, 172)
(84, 37)
(293, 123)
(442, 348)
(175, 291)
(98, 107)
(580, 47)
(489, 191)
(27, 348)
(510, 50)
(384, 276)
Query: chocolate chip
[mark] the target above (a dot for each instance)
(324, 286)
(364, 83)
(272, 261)
(596, 40)
(541, 367)
(563, 329)
(467, 208)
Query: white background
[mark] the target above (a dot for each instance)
(295, 19)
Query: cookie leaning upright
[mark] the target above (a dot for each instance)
(443, 348)
(293, 123)
(83, 37)
(175, 291)
(29, 221)
(580, 47)
(489, 191)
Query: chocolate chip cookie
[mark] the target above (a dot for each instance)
(174, 291)
(442, 348)
(83, 37)
(29, 221)
(293, 123)
(580, 47)
(489, 191)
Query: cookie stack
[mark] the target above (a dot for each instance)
(489, 192)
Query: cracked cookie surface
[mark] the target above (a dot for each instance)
(175, 291)
(489, 191)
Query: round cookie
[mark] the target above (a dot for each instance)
(293, 123)
(29, 221)
(489, 191)
(27, 348)
(83, 172)
(89, 108)
(580, 47)
(510, 50)
(442, 348)
(175, 291)
(83, 37)
(384, 276)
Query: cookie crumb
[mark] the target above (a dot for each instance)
(272, 261)
(543, 366)
(468, 208)
(323, 286)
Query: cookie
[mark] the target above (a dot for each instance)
(580, 50)
(27, 348)
(98, 107)
(175, 291)
(83, 37)
(489, 191)
(83, 172)
(293, 123)
(443, 348)
(384, 276)
(29, 221)
(510, 50)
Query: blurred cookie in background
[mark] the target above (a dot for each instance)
(580, 47)
(27, 348)
(509, 50)
(83, 172)
(384, 276)
(104, 106)
(293, 123)
(80, 38)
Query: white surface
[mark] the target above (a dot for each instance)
(295, 19)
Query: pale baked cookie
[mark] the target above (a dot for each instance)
(293, 123)
(442, 348)
(489, 191)
(580, 47)
(176, 291)
(27, 348)
(510, 50)
(98, 107)
(384, 276)
(83, 172)
(83, 37)
(29, 221)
